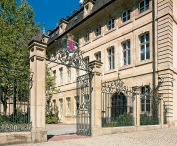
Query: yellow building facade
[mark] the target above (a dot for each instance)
(135, 38)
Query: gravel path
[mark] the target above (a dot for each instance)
(161, 137)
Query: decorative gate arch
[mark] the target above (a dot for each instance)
(67, 53)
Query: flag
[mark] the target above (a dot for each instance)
(70, 45)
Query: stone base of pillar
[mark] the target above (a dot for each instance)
(39, 136)
(97, 131)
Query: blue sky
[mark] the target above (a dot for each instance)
(51, 11)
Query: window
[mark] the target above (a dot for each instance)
(75, 18)
(143, 6)
(111, 58)
(126, 53)
(86, 59)
(126, 16)
(98, 31)
(54, 106)
(61, 75)
(145, 48)
(145, 103)
(68, 74)
(86, 37)
(98, 56)
(111, 24)
(86, 9)
(68, 106)
(54, 73)
(76, 104)
(61, 109)
(52, 35)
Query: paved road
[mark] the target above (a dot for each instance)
(161, 137)
(59, 129)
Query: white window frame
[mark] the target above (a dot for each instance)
(61, 75)
(68, 106)
(146, 45)
(144, 7)
(98, 31)
(86, 37)
(127, 16)
(68, 74)
(98, 56)
(126, 52)
(110, 24)
(145, 104)
(111, 58)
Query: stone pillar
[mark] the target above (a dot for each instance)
(136, 110)
(96, 98)
(37, 102)
(161, 113)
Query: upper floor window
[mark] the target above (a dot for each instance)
(145, 48)
(126, 53)
(98, 56)
(145, 101)
(111, 57)
(110, 24)
(86, 37)
(86, 59)
(61, 75)
(68, 106)
(54, 72)
(143, 6)
(68, 74)
(98, 31)
(126, 16)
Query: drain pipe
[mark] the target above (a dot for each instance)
(153, 45)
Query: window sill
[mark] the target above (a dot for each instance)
(86, 43)
(109, 31)
(143, 62)
(125, 67)
(97, 37)
(125, 23)
(110, 71)
(143, 13)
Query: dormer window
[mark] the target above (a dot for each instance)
(86, 9)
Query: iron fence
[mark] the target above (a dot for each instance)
(117, 104)
(14, 99)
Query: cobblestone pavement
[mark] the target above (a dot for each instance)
(161, 137)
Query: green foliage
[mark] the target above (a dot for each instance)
(123, 120)
(148, 120)
(17, 27)
(51, 119)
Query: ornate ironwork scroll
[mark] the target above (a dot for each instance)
(117, 104)
(61, 55)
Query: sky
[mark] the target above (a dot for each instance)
(51, 11)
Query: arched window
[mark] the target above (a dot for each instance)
(118, 105)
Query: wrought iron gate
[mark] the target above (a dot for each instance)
(83, 118)
(117, 104)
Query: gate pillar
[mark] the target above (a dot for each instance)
(96, 98)
(37, 105)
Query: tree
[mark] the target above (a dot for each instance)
(51, 110)
(17, 27)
